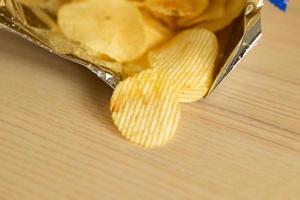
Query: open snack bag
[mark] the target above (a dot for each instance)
(155, 54)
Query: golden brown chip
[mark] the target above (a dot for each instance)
(145, 109)
(186, 59)
(215, 10)
(112, 27)
(233, 9)
(177, 8)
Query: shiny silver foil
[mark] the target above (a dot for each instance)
(240, 37)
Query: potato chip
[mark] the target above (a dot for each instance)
(138, 3)
(156, 32)
(32, 3)
(177, 8)
(186, 59)
(145, 109)
(131, 69)
(112, 27)
(233, 9)
(52, 6)
(135, 67)
(215, 10)
(169, 21)
(201, 88)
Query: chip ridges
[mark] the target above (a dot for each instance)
(186, 59)
(145, 109)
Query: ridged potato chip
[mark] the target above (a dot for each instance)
(233, 8)
(177, 8)
(113, 27)
(215, 10)
(201, 88)
(186, 59)
(145, 109)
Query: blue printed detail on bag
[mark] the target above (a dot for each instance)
(282, 4)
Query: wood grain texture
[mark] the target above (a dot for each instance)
(57, 140)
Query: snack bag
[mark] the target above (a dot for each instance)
(156, 54)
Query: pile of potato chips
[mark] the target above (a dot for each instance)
(166, 51)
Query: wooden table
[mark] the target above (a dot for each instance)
(57, 140)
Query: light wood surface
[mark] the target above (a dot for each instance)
(57, 140)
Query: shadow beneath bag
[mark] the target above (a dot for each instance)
(95, 92)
